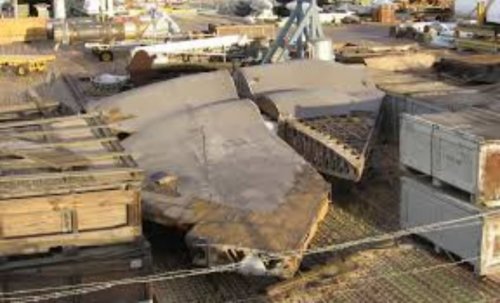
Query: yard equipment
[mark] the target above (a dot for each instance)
(25, 64)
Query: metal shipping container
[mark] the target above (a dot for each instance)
(461, 149)
(475, 240)
(397, 104)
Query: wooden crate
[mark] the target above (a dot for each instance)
(87, 265)
(22, 29)
(252, 31)
(65, 181)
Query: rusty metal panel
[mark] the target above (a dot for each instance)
(337, 146)
(489, 173)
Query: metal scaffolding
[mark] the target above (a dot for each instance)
(301, 27)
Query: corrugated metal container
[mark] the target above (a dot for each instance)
(461, 149)
(474, 240)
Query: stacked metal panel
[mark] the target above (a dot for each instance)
(323, 114)
(452, 192)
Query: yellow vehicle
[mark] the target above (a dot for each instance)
(25, 64)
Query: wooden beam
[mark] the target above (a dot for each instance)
(33, 245)
(46, 121)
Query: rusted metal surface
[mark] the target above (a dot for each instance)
(491, 176)
(240, 191)
(336, 145)
(402, 273)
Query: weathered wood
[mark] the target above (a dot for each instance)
(85, 265)
(33, 245)
(75, 187)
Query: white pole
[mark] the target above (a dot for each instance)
(59, 7)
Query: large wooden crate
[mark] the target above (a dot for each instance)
(84, 266)
(65, 182)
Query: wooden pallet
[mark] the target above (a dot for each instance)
(32, 108)
(86, 265)
(65, 181)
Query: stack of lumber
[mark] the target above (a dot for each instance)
(65, 181)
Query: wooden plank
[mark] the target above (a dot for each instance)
(32, 223)
(47, 120)
(72, 143)
(19, 186)
(18, 133)
(91, 238)
(93, 159)
(105, 173)
(26, 106)
(104, 216)
(74, 201)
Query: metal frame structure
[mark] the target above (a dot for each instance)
(307, 28)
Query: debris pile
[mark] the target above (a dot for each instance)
(239, 190)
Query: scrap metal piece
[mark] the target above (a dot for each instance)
(335, 145)
(240, 191)
(256, 81)
(329, 114)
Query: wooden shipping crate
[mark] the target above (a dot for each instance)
(83, 266)
(252, 31)
(65, 181)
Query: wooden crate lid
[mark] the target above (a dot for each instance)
(60, 155)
